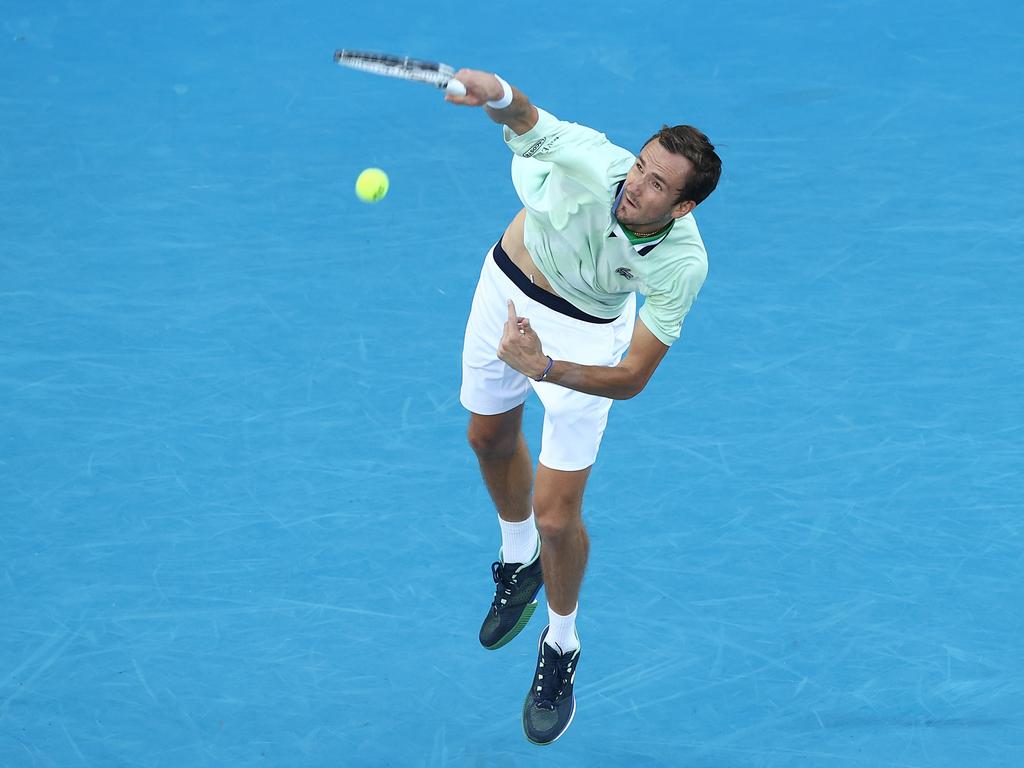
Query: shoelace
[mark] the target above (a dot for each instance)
(504, 580)
(550, 687)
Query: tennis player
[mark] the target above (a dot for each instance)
(555, 311)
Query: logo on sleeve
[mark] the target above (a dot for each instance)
(534, 149)
(624, 272)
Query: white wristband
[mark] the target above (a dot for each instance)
(506, 96)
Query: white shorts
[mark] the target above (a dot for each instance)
(574, 422)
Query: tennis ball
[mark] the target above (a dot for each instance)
(372, 185)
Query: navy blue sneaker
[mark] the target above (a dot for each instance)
(550, 704)
(515, 599)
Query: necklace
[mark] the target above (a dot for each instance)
(648, 234)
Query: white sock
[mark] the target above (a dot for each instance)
(518, 540)
(562, 631)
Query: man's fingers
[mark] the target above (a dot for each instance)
(463, 101)
(511, 312)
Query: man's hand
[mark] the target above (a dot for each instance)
(481, 87)
(520, 346)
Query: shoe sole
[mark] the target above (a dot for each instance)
(509, 636)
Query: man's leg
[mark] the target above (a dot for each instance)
(504, 461)
(558, 506)
(505, 465)
(573, 427)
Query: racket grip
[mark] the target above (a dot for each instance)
(455, 88)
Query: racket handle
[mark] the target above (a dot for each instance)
(455, 88)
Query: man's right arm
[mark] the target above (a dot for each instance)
(481, 87)
(582, 153)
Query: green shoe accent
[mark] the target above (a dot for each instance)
(528, 612)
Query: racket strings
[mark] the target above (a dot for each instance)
(393, 66)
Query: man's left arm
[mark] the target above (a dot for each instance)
(521, 348)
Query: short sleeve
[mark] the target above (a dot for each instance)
(664, 310)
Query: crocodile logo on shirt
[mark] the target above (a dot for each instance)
(624, 272)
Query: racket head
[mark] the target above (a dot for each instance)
(402, 67)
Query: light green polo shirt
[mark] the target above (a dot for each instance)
(567, 176)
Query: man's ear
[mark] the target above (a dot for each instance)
(683, 208)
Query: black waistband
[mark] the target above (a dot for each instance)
(538, 294)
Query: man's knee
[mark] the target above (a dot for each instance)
(494, 437)
(558, 512)
(555, 527)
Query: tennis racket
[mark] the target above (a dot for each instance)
(431, 72)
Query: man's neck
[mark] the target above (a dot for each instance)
(647, 232)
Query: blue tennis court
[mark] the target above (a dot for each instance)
(239, 521)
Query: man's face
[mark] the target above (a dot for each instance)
(652, 189)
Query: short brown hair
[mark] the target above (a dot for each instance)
(694, 145)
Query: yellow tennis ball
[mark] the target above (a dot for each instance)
(372, 185)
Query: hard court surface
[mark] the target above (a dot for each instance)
(239, 523)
